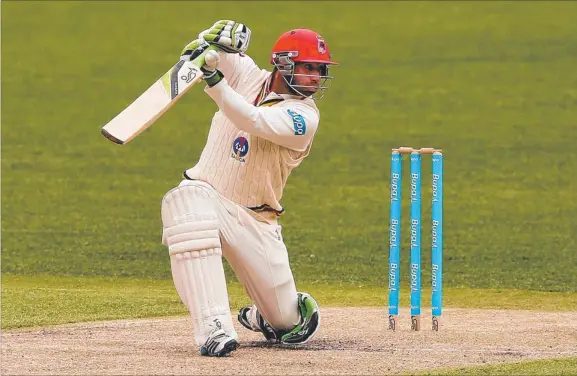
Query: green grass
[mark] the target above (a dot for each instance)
(42, 301)
(565, 366)
(492, 83)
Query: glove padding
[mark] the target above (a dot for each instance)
(230, 36)
(192, 50)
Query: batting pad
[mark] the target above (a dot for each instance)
(195, 253)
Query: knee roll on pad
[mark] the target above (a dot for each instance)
(192, 236)
(188, 209)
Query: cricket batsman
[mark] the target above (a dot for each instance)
(228, 204)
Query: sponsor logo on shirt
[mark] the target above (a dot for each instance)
(239, 149)
(298, 123)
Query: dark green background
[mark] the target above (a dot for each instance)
(492, 83)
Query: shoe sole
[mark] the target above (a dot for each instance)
(228, 348)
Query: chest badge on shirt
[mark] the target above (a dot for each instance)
(239, 149)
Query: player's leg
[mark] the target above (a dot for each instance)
(191, 232)
(259, 257)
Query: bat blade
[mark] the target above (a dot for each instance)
(155, 101)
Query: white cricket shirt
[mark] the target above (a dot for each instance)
(255, 139)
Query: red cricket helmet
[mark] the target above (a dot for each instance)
(302, 45)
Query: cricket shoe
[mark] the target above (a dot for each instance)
(309, 323)
(219, 344)
(250, 318)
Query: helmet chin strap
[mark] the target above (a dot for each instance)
(291, 90)
(288, 78)
(319, 90)
(294, 92)
(290, 87)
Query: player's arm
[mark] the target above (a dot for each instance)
(237, 68)
(289, 124)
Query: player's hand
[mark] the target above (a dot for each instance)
(211, 74)
(230, 36)
(192, 50)
(211, 61)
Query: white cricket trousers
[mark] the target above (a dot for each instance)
(257, 254)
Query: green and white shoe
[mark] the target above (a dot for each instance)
(307, 327)
(309, 323)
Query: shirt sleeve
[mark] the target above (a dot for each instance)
(237, 68)
(291, 124)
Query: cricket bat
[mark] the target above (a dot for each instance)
(155, 101)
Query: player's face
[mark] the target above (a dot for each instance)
(307, 77)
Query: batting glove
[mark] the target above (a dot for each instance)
(230, 36)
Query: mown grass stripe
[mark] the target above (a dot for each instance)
(45, 300)
(563, 366)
